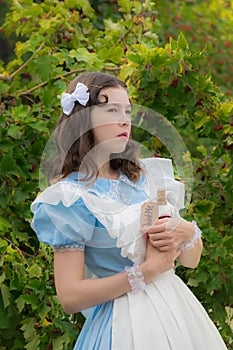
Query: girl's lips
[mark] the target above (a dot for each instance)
(123, 135)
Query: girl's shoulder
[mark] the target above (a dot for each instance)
(66, 191)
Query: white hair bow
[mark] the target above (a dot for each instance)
(80, 94)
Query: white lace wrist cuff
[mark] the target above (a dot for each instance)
(135, 278)
(189, 245)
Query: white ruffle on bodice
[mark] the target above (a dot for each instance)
(122, 221)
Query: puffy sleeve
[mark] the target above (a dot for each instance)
(61, 218)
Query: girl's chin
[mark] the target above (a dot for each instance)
(119, 146)
(112, 146)
(116, 146)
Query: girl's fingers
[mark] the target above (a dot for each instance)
(159, 226)
(159, 237)
(159, 244)
(163, 248)
(169, 243)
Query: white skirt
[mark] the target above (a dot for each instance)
(165, 316)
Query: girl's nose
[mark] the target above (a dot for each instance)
(124, 119)
(124, 122)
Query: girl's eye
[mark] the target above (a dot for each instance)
(111, 110)
(128, 112)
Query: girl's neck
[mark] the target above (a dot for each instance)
(101, 158)
(105, 171)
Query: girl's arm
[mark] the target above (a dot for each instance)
(191, 258)
(76, 294)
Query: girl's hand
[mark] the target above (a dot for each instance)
(167, 234)
(158, 262)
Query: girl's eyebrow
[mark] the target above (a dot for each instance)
(117, 104)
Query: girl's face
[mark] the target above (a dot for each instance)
(111, 122)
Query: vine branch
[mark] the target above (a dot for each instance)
(11, 77)
(61, 76)
(18, 250)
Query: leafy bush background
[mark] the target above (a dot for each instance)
(55, 40)
(207, 26)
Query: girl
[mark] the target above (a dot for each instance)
(102, 212)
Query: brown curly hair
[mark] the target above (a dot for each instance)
(74, 136)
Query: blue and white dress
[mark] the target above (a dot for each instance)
(104, 220)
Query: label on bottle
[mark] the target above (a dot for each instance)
(164, 210)
(161, 197)
(149, 214)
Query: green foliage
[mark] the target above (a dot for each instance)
(55, 41)
(207, 27)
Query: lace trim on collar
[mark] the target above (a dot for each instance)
(125, 179)
(115, 192)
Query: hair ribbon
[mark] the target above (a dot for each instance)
(80, 94)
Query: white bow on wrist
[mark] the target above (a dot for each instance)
(80, 94)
